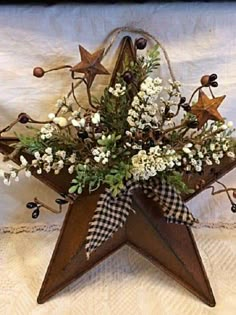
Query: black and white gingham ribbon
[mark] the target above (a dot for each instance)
(112, 212)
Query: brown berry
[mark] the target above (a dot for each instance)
(205, 80)
(213, 77)
(128, 77)
(214, 84)
(192, 124)
(186, 107)
(140, 43)
(38, 72)
(23, 118)
(182, 100)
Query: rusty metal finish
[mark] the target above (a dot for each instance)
(171, 247)
(168, 246)
(127, 52)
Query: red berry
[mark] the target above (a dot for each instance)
(38, 72)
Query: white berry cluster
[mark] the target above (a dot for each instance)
(118, 91)
(211, 151)
(12, 172)
(144, 109)
(157, 159)
(101, 156)
(47, 131)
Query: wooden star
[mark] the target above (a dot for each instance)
(90, 64)
(171, 247)
(168, 246)
(206, 108)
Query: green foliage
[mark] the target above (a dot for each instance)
(175, 179)
(117, 175)
(30, 143)
(86, 176)
(92, 178)
(114, 111)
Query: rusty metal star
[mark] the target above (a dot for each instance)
(90, 64)
(206, 108)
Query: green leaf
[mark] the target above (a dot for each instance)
(73, 189)
(79, 190)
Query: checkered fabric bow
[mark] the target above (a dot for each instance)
(112, 212)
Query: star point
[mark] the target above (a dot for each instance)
(90, 64)
(206, 108)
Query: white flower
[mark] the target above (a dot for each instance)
(212, 146)
(78, 123)
(230, 154)
(72, 158)
(130, 121)
(157, 80)
(105, 160)
(71, 169)
(61, 121)
(51, 116)
(23, 160)
(60, 163)
(61, 153)
(96, 118)
(97, 159)
(47, 168)
(225, 147)
(48, 150)
(230, 124)
(6, 181)
(95, 152)
(13, 174)
(200, 154)
(75, 123)
(39, 171)
(214, 128)
(193, 162)
(189, 145)
(198, 168)
(223, 127)
(27, 173)
(82, 122)
(118, 90)
(186, 150)
(37, 155)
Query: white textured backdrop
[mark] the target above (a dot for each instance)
(200, 39)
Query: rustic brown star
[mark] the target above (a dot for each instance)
(90, 64)
(206, 108)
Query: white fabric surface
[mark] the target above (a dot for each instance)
(124, 284)
(200, 39)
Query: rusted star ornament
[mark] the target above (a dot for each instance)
(206, 108)
(90, 64)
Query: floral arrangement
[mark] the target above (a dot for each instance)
(140, 128)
